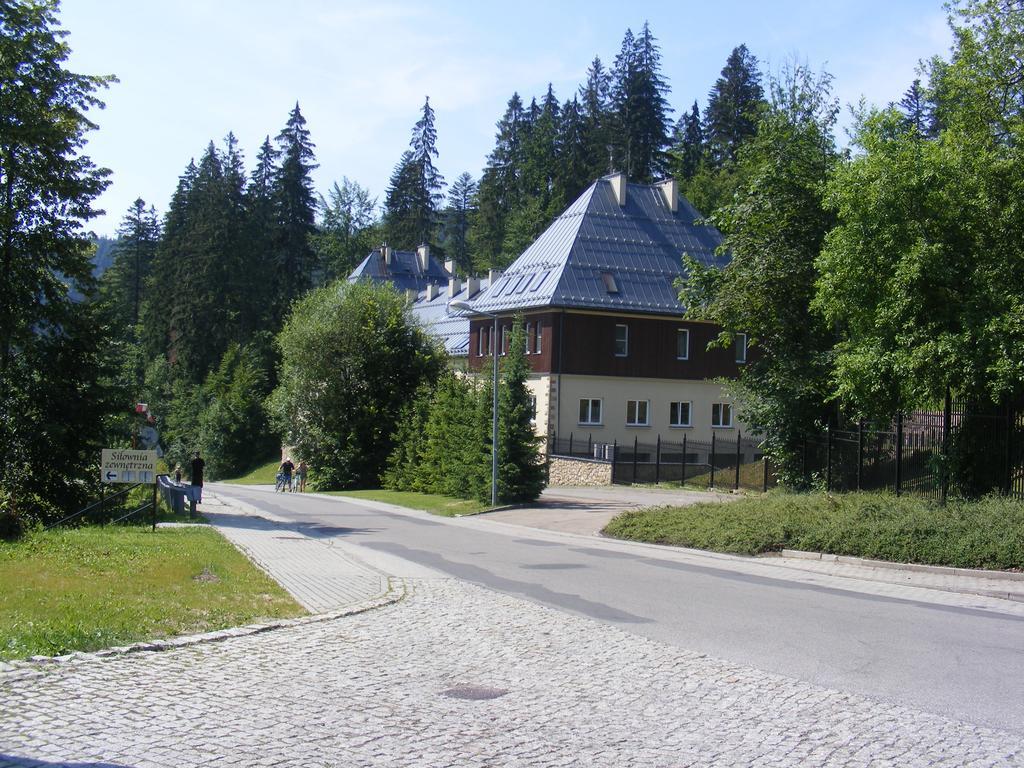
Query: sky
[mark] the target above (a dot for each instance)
(190, 71)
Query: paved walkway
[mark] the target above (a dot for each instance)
(451, 675)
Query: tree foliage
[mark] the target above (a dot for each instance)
(351, 357)
(414, 192)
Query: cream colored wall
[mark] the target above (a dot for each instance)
(540, 387)
(615, 391)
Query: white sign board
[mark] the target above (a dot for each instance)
(124, 465)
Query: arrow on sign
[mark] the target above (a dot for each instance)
(111, 475)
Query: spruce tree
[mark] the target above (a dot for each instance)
(687, 145)
(573, 165)
(520, 466)
(595, 110)
(124, 283)
(295, 205)
(733, 107)
(917, 111)
(414, 192)
(347, 229)
(640, 108)
(461, 207)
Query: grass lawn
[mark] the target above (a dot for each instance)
(95, 587)
(437, 505)
(981, 534)
(266, 474)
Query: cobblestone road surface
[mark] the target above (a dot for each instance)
(370, 690)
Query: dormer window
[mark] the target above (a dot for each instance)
(610, 285)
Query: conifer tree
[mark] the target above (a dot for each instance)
(414, 192)
(687, 145)
(573, 165)
(733, 106)
(123, 284)
(295, 204)
(640, 108)
(461, 207)
(917, 111)
(595, 98)
(347, 229)
(520, 469)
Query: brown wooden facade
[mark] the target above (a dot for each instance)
(577, 342)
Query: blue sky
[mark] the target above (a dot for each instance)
(191, 70)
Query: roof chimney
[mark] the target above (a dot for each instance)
(423, 257)
(386, 253)
(472, 287)
(619, 188)
(493, 276)
(670, 189)
(449, 267)
(410, 295)
(431, 291)
(453, 287)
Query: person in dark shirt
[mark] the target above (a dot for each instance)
(196, 477)
(286, 469)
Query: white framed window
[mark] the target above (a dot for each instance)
(480, 342)
(721, 414)
(504, 339)
(679, 413)
(621, 340)
(638, 413)
(533, 409)
(529, 330)
(590, 410)
(741, 347)
(682, 344)
(537, 338)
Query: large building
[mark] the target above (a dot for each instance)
(612, 359)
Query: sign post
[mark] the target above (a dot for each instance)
(128, 465)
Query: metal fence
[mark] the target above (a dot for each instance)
(963, 450)
(730, 462)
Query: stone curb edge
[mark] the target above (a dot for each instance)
(945, 570)
(394, 594)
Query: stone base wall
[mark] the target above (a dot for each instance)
(565, 471)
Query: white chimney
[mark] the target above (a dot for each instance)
(670, 189)
(472, 287)
(493, 276)
(449, 267)
(431, 291)
(386, 250)
(423, 257)
(410, 295)
(619, 188)
(453, 287)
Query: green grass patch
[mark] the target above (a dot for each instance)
(982, 534)
(95, 587)
(265, 474)
(428, 502)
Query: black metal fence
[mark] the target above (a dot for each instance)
(731, 461)
(962, 450)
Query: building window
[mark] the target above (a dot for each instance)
(504, 339)
(537, 338)
(721, 415)
(529, 341)
(533, 409)
(679, 414)
(682, 344)
(610, 284)
(638, 413)
(480, 342)
(621, 340)
(590, 411)
(741, 347)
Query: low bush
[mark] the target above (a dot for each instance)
(988, 533)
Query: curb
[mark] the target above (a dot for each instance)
(36, 664)
(945, 570)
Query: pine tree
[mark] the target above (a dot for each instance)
(733, 106)
(295, 205)
(640, 108)
(460, 210)
(687, 145)
(521, 469)
(123, 284)
(573, 164)
(414, 192)
(595, 106)
(918, 112)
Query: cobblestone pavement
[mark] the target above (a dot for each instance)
(382, 689)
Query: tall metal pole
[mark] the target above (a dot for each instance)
(494, 430)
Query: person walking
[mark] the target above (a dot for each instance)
(286, 469)
(196, 477)
(300, 476)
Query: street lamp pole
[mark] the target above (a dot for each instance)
(465, 306)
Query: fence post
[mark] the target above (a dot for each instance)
(860, 453)
(154, 507)
(657, 462)
(899, 453)
(711, 483)
(590, 445)
(828, 458)
(682, 477)
(739, 458)
(615, 456)
(947, 417)
(764, 485)
(1009, 440)
(636, 443)
(570, 443)
(803, 463)
(554, 442)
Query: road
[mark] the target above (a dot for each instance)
(898, 646)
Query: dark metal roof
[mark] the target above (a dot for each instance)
(639, 244)
(404, 271)
(451, 327)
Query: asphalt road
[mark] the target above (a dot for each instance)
(960, 662)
